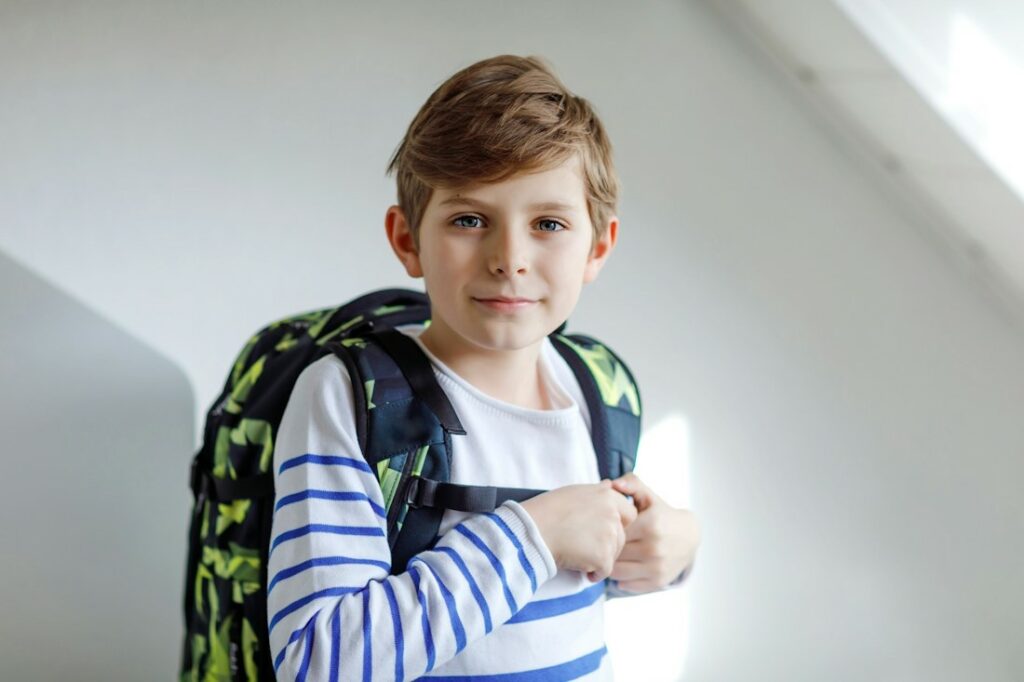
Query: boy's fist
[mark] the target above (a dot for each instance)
(661, 543)
(583, 525)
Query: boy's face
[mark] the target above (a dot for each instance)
(485, 242)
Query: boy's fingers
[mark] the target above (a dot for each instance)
(637, 586)
(627, 512)
(641, 500)
(638, 530)
(620, 540)
(637, 547)
(624, 482)
(628, 570)
(631, 484)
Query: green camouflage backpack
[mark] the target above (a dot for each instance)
(399, 408)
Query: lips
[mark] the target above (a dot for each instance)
(506, 304)
(505, 299)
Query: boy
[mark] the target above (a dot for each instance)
(506, 209)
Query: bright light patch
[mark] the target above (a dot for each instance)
(647, 634)
(985, 93)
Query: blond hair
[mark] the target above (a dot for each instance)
(497, 118)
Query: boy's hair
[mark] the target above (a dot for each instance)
(497, 118)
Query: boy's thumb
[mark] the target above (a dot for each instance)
(630, 485)
(624, 485)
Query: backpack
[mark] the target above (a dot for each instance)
(400, 408)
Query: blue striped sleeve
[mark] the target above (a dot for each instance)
(326, 460)
(334, 609)
(308, 637)
(428, 637)
(519, 548)
(453, 611)
(367, 639)
(471, 584)
(335, 642)
(399, 640)
(495, 562)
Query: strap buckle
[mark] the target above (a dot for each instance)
(413, 494)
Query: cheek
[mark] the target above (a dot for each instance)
(450, 256)
(433, 262)
(565, 290)
(568, 269)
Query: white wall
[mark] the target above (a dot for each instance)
(853, 400)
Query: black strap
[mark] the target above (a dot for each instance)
(418, 371)
(424, 492)
(595, 403)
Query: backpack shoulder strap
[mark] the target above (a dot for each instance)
(405, 422)
(613, 399)
(400, 435)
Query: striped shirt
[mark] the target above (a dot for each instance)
(486, 602)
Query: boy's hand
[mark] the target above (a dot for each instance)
(583, 525)
(659, 544)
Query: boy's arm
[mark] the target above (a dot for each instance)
(333, 609)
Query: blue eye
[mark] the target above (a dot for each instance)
(465, 217)
(560, 227)
(554, 222)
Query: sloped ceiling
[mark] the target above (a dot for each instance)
(889, 78)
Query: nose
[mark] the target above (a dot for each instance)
(508, 252)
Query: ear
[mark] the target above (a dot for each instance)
(601, 250)
(402, 243)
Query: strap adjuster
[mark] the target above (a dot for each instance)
(413, 493)
(424, 492)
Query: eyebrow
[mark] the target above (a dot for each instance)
(543, 206)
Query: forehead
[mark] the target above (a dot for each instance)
(559, 187)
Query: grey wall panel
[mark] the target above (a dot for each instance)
(97, 432)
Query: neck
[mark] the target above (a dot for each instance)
(510, 376)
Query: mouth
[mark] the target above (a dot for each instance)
(505, 299)
(505, 304)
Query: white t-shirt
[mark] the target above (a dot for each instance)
(486, 600)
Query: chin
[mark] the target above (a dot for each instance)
(507, 342)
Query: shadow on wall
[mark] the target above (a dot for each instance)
(98, 433)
